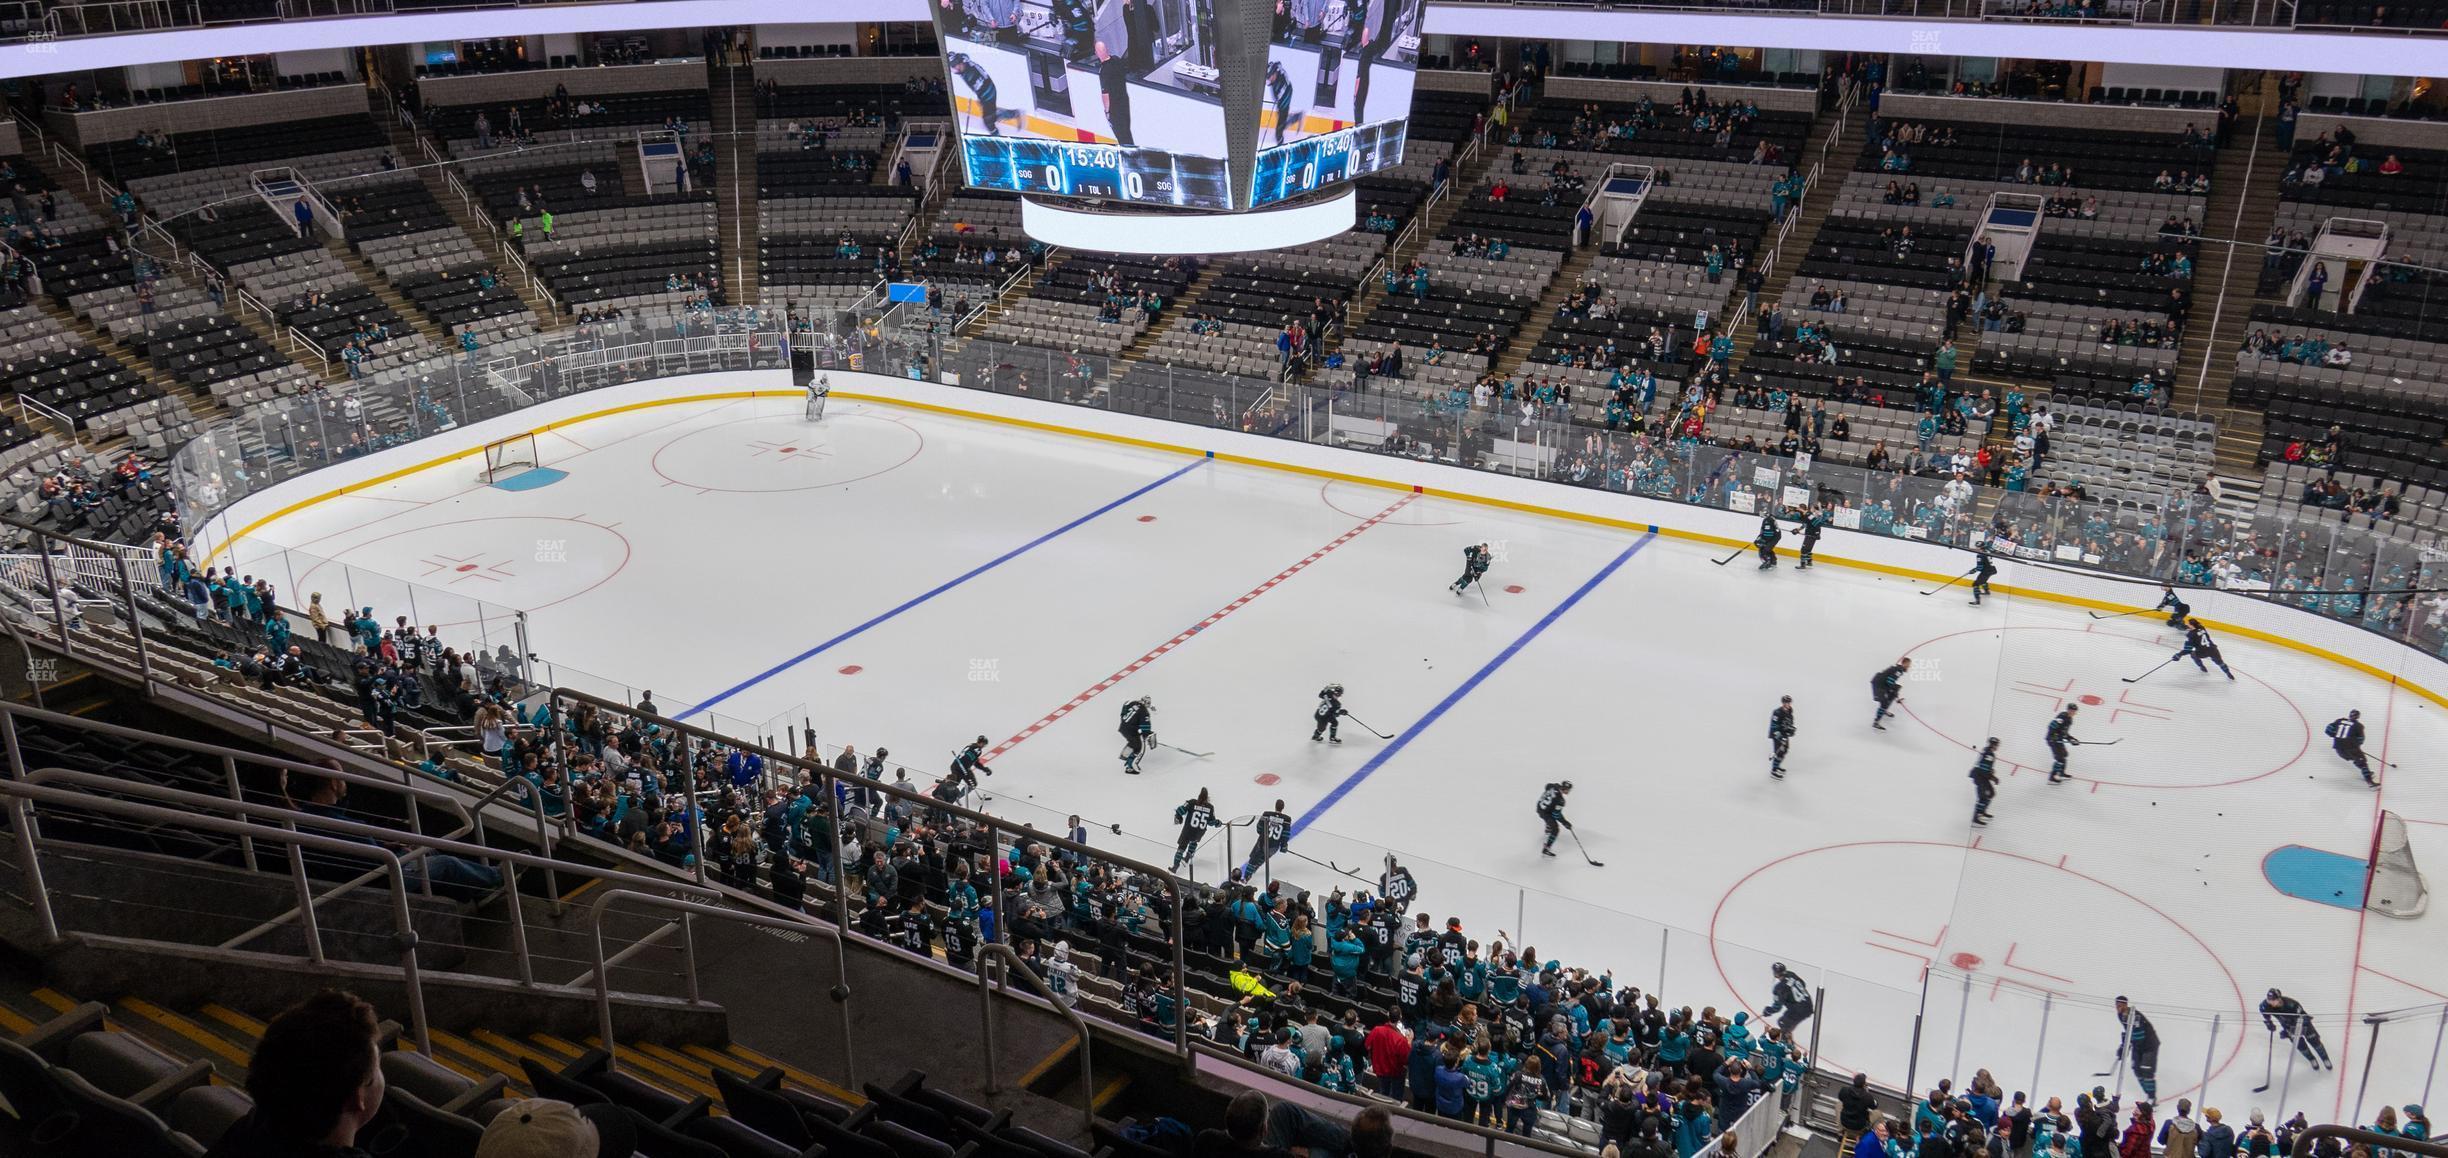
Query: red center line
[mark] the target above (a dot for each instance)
(1212, 619)
(2354, 978)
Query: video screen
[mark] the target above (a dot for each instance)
(1117, 99)
(1336, 93)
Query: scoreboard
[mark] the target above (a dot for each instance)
(1060, 169)
(1307, 165)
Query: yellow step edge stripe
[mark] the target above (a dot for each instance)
(235, 1020)
(801, 1076)
(556, 1045)
(1046, 1064)
(211, 1042)
(58, 1001)
(512, 1049)
(657, 1073)
(14, 1022)
(485, 1059)
(722, 1061)
(675, 1059)
(447, 1062)
(1112, 1090)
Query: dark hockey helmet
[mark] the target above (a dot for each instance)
(1566, 785)
(1331, 690)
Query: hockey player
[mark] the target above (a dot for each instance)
(1274, 834)
(1551, 810)
(1195, 816)
(2199, 646)
(1475, 561)
(966, 765)
(2061, 737)
(1766, 541)
(1397, 887)
(1984, 782)
(2143, 1040)
(818, 391)
(1780, 736)
(1982, 568)
(2176, 608)
(1887, 687)
(2285, 1016)
(1789, 1002)
(2346, 736)
(1329, 714)
(1138, 728)
(1814, 519)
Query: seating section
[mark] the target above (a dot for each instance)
(1233, 324)
(2132, 455)
(1094, 302)
(2026, 153)
(154, 171)
(394, 223)
(660, 251)
(543, 120)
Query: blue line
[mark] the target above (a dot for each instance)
(1404, 738)
(931, 593)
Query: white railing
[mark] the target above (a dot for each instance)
(28, 408)
(299, 341)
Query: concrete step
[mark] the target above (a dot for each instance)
(472, 223)
(732, 95)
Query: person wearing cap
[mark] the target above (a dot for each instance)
(544, 1128)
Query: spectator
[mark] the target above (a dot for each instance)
(544, 1128)
(316, 1081)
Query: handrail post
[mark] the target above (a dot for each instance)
(246, 844)
(135, 622)
(21, 820)
(306, 914)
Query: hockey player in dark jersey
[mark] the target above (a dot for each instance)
(1766, 541)
(2061, 737)
(2200, 647)
(1279, 95)
(1551, 810)
(2176, 608)
(1984, 781)
(2346, 737)
(1329, 715)
(1887, 688)
(1790, 1001)
(1273, 835)
(1138, 728)
(1982, 568)
(1397, 886)
(969, 763)
(1814, 520)
(2285, 1016)
(1195, 815)
(982, 85)
(2141, 1038)
(1475, 561)
(1780, 736)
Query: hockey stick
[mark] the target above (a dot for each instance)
(2098, 743)
(1945, 585)
(2148, 674)
(1739, 552)
(1481, 584)
(1182, 750)
(2120, 614)
(1362, 723)
(1594, 861)
(2269, 1059)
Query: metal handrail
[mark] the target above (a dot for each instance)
(1489, 1137)
(23, 796)
(2378, 1143)
(603, 991)
(1011, 961)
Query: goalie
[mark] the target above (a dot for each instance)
(817, 392)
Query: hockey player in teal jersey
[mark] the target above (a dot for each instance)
(1766, 541)
(1982, 568)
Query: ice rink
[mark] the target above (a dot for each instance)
(911, 580)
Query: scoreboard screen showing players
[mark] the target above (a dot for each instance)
(1113, 99)
(1337, 93)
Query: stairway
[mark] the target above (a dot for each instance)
(1459, 183)
(389, 295)
(404, 144)
(2242, 212)
(1534, 327)
(732, 92)
(1198, 286)
(1813, 212)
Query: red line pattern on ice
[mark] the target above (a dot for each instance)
(1161, 650)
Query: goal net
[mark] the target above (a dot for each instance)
(2396, 886)
(508, 457)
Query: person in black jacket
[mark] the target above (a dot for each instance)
(1854, 1106)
